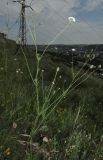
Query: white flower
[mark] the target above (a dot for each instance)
(88, 55)
(53, 83)
(22, 2)
(99, 66)
(2, 68)
(45, 139)
(17, 71)
(42, 70)
(58, 69)
(54, 92)
(72, 19)
(92, 66)
(93, 56)
(14, 125)
(65, 81)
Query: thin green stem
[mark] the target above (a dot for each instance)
(55, 38)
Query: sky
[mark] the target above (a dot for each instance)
(50, 17)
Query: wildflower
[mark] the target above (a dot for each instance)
(92, 66)
(58, 69)
(45, 139)
(2, 68)
(72, 147)
(88, 55)
(72, 19)
(60, 76)
(53, 82)
(54, 92)
(93, 56)
(65, 81)
(14, 125)
(101, 139)
(65, 141)
(15, 59)
(99, 66)
(7, 152)
(38, 57)
(17, 71)
(42, 70)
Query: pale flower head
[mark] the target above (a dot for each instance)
(92, 66)
(99, 66)
(65, 81)
(71, 19)
(53, 83)
(58, 69)
(88, 55)
(17, 71)
(54, 92)
(14, 125)
(42, 70)
(2, 68)
(45, 139)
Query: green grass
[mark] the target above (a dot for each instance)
(72, 126)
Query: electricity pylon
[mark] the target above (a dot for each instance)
(22, 27)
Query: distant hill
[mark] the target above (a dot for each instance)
(6, 44)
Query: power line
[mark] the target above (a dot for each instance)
(80, 18)
(11, 27)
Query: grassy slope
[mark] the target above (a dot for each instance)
(17, 101)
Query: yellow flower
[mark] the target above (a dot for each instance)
(7, 152)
